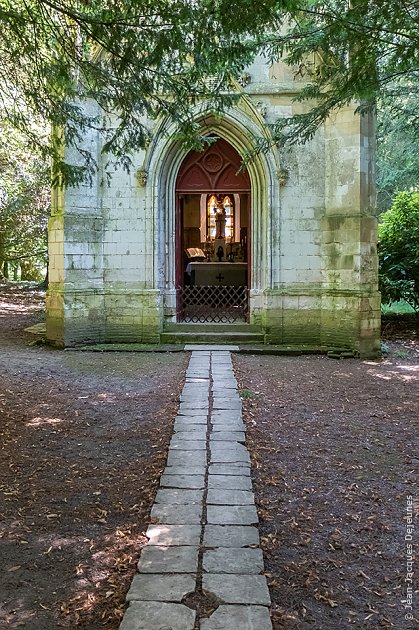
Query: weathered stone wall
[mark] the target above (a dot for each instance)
(351, 303)
(324, 282)
(101, 252)
(132, 301)
(314, 260)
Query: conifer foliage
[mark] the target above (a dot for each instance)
(139, 59)
(134, 58)
(348, 50)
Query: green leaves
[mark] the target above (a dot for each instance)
(24, 203)
(134, 58)
(399, 250)
(141, 59)
(397, 140)
(348, 51)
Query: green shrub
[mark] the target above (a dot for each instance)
(398, 233)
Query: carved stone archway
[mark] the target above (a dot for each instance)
(239, 127)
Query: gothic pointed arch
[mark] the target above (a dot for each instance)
(216, 169)
(239, 128)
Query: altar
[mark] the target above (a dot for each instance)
(217, 274)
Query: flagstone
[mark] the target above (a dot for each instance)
(234, 617)
(219, 469)
(230, 536)
(174, 514)
(154, 616)
(166, 588)
(238, 589)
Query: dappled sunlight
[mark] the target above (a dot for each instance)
(102, 397)
(408, 368)
(18, 612)
(83, 605)
(7, 309)
(113, 543)
(98, 576)
(387, 370)
(57, 543)
(413, 372)
(106, 397)
(38, 421)
(21, 304)
(384, 377)
(78, 476)
(393, 374)
(112, 555)
(161, 535)
(343, 491)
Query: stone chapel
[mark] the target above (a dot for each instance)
(191, 247)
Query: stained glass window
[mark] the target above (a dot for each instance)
(228, 207)
(211, 215)
(212, 208)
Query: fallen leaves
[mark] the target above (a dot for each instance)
(331, 510)
(101, 515)
(325, 597)
(96, 473)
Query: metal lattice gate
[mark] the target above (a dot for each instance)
(212, 304)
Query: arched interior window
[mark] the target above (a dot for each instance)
(212, 205)
(211, 215)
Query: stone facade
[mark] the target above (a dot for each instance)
(313, 277)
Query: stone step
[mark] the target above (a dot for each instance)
(204, 327)
(220, 338)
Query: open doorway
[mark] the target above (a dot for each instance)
(212, 236)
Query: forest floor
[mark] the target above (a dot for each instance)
(335, 460)
(83, 439)
(83, 443)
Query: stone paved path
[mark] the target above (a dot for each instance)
(204, 539)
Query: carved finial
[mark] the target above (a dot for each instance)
(262, 108)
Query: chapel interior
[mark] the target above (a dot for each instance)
(215, 238)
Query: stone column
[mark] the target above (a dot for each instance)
(75, 311)
(350, 301)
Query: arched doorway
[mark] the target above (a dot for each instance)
(212, 236)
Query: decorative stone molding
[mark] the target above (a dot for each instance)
(142, 177)
(244, 79)
(212, 162)
(283, 176)
(262, 108)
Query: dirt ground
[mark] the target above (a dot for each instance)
(83, 442)
(335, 458)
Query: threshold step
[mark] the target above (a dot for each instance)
(223, 338)
(211, 327)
